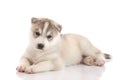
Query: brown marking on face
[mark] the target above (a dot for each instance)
(53, 27)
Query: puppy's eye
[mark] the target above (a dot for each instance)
(49, 37)
(37, 33)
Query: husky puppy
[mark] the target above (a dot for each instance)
(50, 50)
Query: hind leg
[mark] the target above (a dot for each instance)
(96, 59)
(99, 59)
(94, 55)
(89, 60)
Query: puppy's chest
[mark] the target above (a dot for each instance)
(39, 57)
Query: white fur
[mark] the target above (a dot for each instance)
(45, 27)
(62, 51)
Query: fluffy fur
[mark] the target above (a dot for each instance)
(51, 50)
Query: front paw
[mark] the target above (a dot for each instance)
(21, 68)
(30, 70)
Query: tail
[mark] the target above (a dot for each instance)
(107, 56)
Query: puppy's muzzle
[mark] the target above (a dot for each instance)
(40, 46)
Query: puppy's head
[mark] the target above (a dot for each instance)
(45, 33)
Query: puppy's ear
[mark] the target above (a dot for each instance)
(59, 27)
(34, 20)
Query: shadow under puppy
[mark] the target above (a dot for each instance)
(50, 50)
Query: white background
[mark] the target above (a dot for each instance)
(98, 20)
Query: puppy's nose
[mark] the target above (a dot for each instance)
(40, 46)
